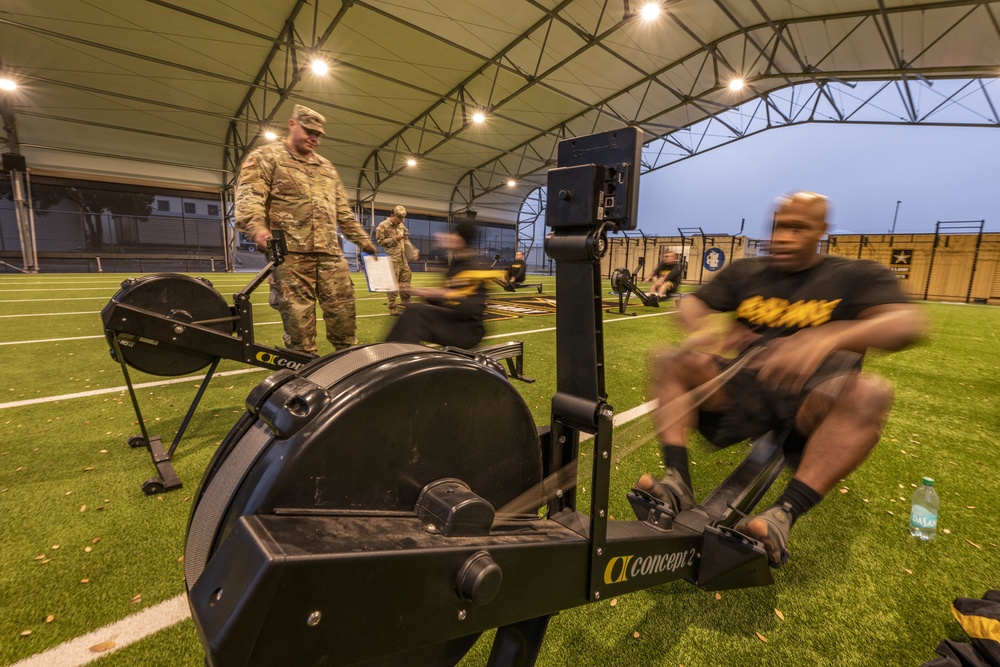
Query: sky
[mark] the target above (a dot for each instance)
(937, 173)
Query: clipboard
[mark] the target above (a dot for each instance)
(380, 274)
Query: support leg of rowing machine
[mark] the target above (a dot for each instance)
(167, 479)
(518, 644)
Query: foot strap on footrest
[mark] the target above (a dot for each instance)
(652, 510)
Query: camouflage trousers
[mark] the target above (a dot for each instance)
(403, 277)
(301, 281)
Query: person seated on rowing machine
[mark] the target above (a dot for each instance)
(517, 270)
(667, 277)
(453, 314)
(814, 316)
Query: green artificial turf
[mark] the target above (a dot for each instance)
(858, 590)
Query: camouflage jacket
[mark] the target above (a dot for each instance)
(304, 197)
(385, 235)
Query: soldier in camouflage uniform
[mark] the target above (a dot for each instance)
(392, 235)
(287, 186)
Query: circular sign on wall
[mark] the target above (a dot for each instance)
(714, 259)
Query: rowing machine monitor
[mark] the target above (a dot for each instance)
(325, 534)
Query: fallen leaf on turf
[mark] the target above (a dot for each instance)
(50, 618)
(973, 543)
(181, 559)
(946, 531)
(26, 633)
(55, 546)
(137, 599)
(970, 507)
(844, 490)
(102, 647)
(635, 634)
(889, 511)
(761, 637)
(39, 556)
(85, 581)
(718, 596)
(907, 570)
(614, 601)
(778, 613)
(88, 549)
(83, 508)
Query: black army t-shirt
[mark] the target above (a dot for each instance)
(775, 303)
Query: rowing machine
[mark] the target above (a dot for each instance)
(169, 324)
(325, 534)
(623, 283)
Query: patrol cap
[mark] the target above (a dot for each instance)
(399, 211)
(307, 118)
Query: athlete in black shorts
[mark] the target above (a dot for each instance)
(815, 316)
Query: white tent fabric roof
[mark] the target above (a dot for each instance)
(177, 91)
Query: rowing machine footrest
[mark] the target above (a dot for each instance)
(652, 510)
(731, 560)
(450, 506)
(512, 353)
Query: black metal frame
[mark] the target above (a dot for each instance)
(170, 334)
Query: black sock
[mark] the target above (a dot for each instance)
(800, 497)
(676, 457)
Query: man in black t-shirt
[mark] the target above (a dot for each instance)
(814, 316)
(454, 313)
(517, 270)
(667, 276)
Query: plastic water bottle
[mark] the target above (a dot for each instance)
(924, 512)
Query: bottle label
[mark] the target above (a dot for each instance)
(921, 517)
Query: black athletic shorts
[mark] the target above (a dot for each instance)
(754, 409)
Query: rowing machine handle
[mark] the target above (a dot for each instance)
(276, 247)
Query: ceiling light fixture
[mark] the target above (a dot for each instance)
(511, 183)
(736, 84)
(270, 135)
(478, 117)
(412, 162)
(7, 84)
(649, 11)
(319, 66)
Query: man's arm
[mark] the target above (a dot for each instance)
(887, 327)
(349, 224)
(252, 190)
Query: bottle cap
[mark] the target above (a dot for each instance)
(927, 481)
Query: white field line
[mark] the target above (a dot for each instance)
(123, 388)
(129, 630)
(256, 324)
(97, 312)
(190, 378)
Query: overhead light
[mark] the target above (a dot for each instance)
(478, 117)
(7, 84)
(412, 162)
(649, 11)
(736, 84)
(270, 135)
(319, 66)
(511, 183)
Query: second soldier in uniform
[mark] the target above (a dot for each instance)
(288, 186)
(392, 235)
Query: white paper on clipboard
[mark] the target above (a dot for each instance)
(379, 273)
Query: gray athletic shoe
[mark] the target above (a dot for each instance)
(671, 490)
(771, 528)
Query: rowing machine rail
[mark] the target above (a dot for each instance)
(325, 532)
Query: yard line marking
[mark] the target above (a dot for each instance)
(131, 629)
(48, 340)
(69, 298)
(127, 631)
(124, 388)
(78, 312)
(111, 390)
